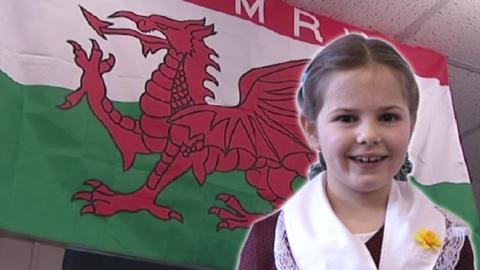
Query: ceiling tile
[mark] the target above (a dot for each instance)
(389, 17)
(454, 30)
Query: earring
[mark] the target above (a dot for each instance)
(404, 170)
(317, 168)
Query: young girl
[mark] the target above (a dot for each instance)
(357, 106)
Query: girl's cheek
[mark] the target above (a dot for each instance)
(338, 138)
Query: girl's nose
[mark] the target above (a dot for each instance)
(368, 134)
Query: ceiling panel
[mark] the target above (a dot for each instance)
(389, 17)
(454, 30)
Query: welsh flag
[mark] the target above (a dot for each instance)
(162, 129)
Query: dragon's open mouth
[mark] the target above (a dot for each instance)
(151, 34)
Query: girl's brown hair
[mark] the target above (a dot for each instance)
(349, 52)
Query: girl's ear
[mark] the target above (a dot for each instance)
(310, 130)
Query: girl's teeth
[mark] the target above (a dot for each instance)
(366, 159)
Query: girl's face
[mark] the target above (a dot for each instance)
(363, 129)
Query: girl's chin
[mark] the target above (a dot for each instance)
(371, 184)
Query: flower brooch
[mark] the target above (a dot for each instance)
(427, 239)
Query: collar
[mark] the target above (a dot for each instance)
(319, 240)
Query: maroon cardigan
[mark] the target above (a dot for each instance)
(257, 252)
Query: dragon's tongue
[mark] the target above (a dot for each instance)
(101, 27)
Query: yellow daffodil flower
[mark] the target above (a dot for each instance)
(428, 239)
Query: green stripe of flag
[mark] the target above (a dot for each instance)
(459, 200)
(48, 153)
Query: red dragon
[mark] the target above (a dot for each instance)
(259, 136)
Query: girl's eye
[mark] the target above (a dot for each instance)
(389, 117)
(346, 118)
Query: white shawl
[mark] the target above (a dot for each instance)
(318, 239)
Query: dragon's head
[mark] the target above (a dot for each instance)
(183, 36)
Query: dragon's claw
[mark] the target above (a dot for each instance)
(95, 45)
(93, 183)
(232, 202)
(79, 53)
(213, 210)
(75, 45)
(176, 215)
(99, 187)
(87, 209)
(223, 225)
(93, 66)
(102, 201)
(82, 195)
(233, 215)
(96, 55)
(223, 197)
(65, 105)
(107, 64)
(224, 214)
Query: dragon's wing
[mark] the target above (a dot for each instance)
(264, 124)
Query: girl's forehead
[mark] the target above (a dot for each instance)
(370, 73)
(373, 85)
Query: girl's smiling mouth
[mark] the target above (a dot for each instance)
(368, 161)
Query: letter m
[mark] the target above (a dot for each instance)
(257, 6)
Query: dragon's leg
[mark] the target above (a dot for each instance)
(124, 130)
(272, 184)
(102, 201)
